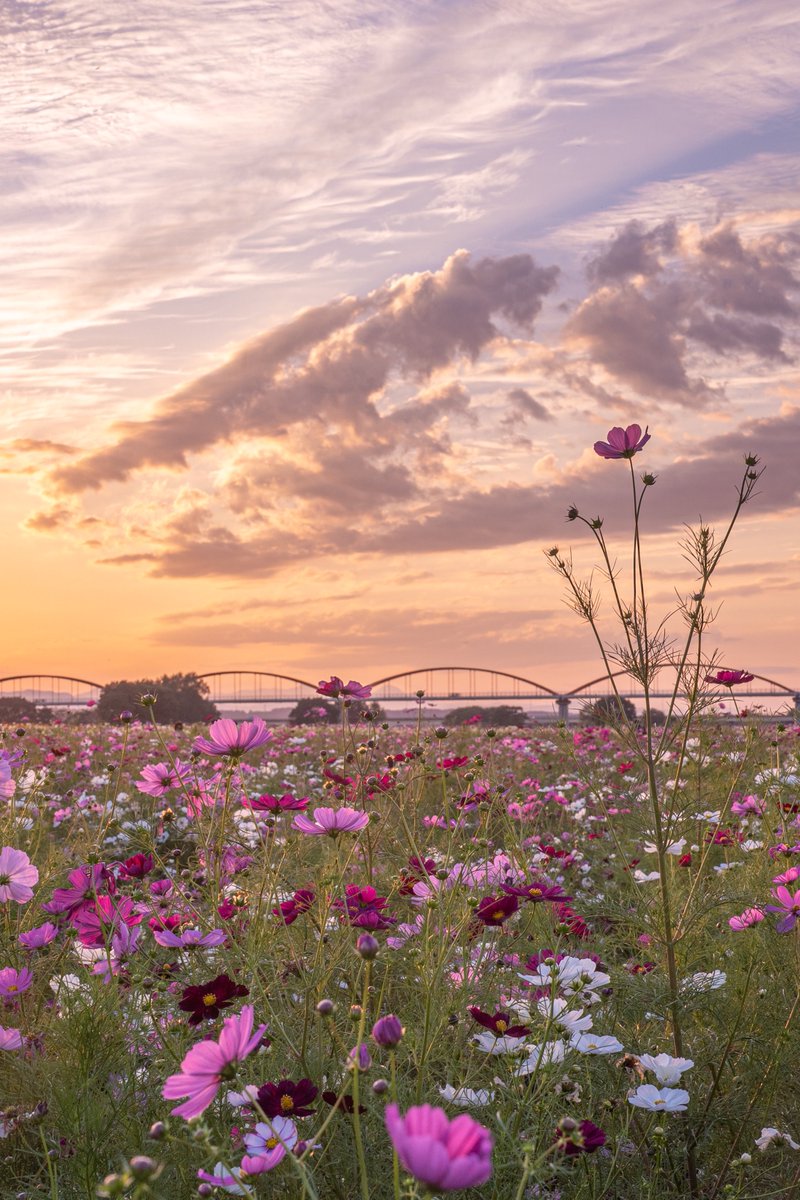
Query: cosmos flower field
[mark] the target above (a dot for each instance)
(364, 960)
(377, 963)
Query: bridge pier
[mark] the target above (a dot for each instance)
(562, 707)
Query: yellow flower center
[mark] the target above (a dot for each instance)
(272, 1143)
(209, 999)
(287, 1103)
(534, 891)
(498, 916)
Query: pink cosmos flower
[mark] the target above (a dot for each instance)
(228, 738)
(335, 687)
(750, 916)
(331, 821)
(189, 938)
(622, 443)
(85, 882)
(729, 679)
(446, 1155)
(42, 935)
(10, 1039)
(13, 982)
(159, 778)
(17, 875)
(287, 803)
(203, 1067)
(787, 876)
(788, 905)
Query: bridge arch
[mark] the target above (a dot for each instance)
(251, 687)
(50, 690)
(462, 683)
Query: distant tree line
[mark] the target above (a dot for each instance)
(178, 698)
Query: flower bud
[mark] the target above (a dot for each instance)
(142, 1167)
(387, 1031)
(325, 1008)
(367, 946)
(126, 716)
(572, 513)
(157, 1131)
(380, 1087)
(148, 699)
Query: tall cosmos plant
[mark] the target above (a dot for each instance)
(645, 650)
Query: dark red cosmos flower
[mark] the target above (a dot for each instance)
(578, 1138)
(574, 923)
(494, 910)
(500, 1023)
(137, 866)
(343, 1103)
(634, 968)
(729, 679)
(287, 1099)
(205, 1001)
(537, 892)
(450, 764)
(363, 908)
(300, 902)
(287, 803)
(419, 871)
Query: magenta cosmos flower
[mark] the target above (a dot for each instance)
(331, 821)
(622, 443)
(446, 1155)
(335, 687)
(228, 738)
(788, 905)
(17, 875)
(730, 678)
(203, 1067)
(13, 982)
(750, 916)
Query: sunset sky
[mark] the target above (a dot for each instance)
(311, 313)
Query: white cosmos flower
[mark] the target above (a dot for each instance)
(646, 876)
(770, 1135)
(552, 1052)
(558, 1010)
(466, 1097)
(666, 1068)
(673, 848)
(490, 1044)
(589, 1043)
(704, 981)
(659, 1099)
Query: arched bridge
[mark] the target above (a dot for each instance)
(452, 685)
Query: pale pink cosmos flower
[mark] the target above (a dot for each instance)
(205, 1064)
(10, 1039)
(267, 1144)
(331, 821)
(622, 443)
(159, 778)
(17, 875)
(228, 738)
(750, 916)
(446, 1155)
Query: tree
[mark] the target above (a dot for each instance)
(178, 698)
(499, 716)
(314, 710)
(14, 709)
(606, 711)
